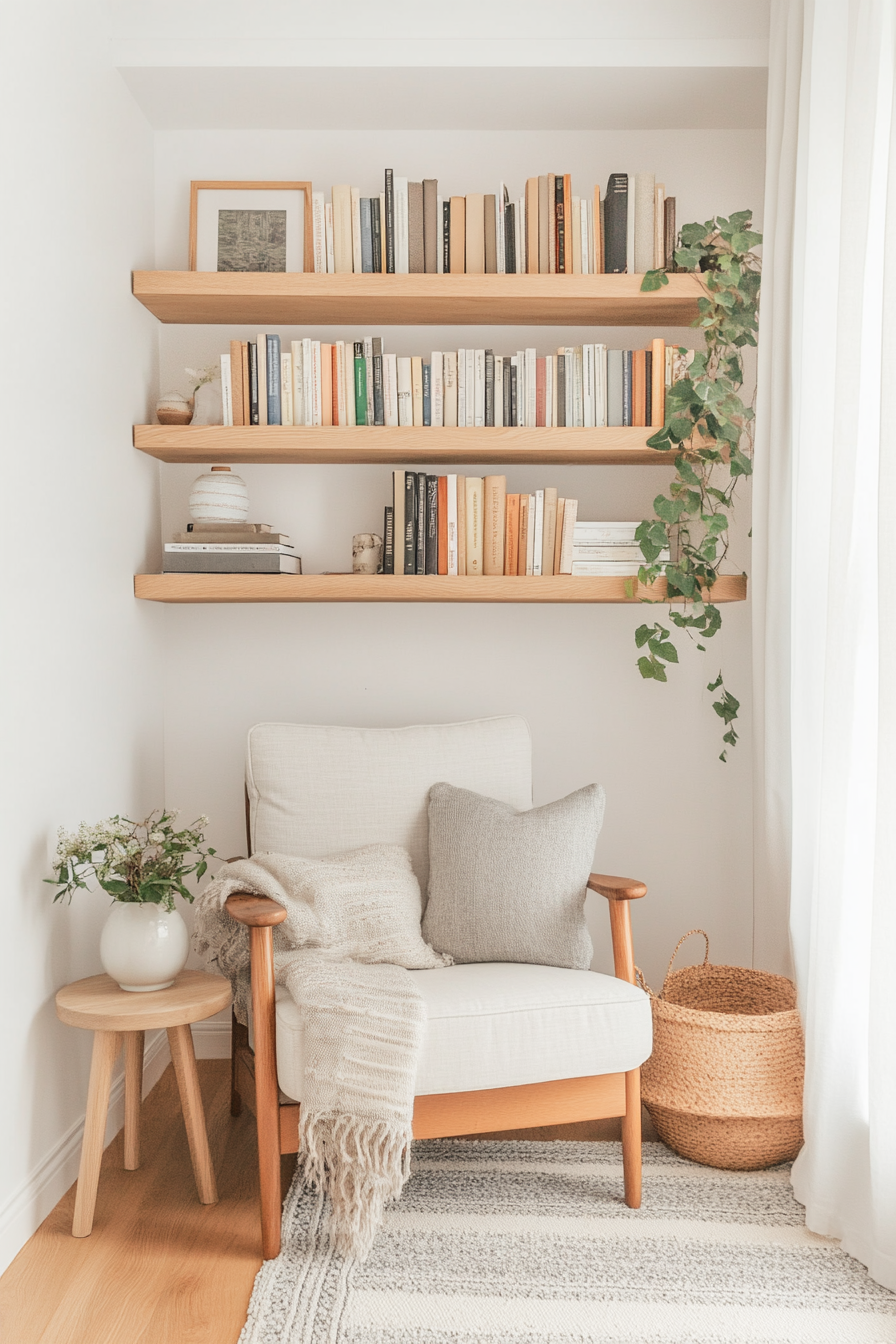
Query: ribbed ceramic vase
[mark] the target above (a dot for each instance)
(219, 495)
(143, 947)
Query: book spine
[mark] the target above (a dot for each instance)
(519, 244)
(390, 390)
(286, 413)
(416, 256)
(326, 383)
(417, 388)
(558, 534)
(378, 406)
(669, 232)
(451, 526)
(560, 225)
(544, 252)
(431, 217)
(523, 543)
(311, 376)
(420, 530)
(227, 547)
(616, 223)
(500, 242)
(376, 235)
(462, 388)
(460, 513)
(247, 411)
(539, 392)
(531, 388)
(568, 223)
(474, 221)
(530, 537)
(588, 386)
(639, 389)
(578, 389)
(401, 225)
(512, 534)
(442, 525)
(532, 225)
(627, 387)
(437, 376)
(658, 399)
(446, 237)
(342, 230)
(440, 236)
(298, 383)
(236, 382)
(261, 351)
(458, 235)
(538, 533)
(570, 511)
(549, 397)
(659, 251)
(388, 540)
(226, 391)
(405, 396)
(474, 525)
(410, 522)
(645, 227)
(510, 237)
(507, 392)
(615, 378)
(498, 391)
(340, 413)
(319, 233)
(548, 530)
(398, 528)
(491, 238)
(390, 222)
(357, 264)
(630, 230)
(494, 508)
(597, 237)
(561, 391)
(368, 374)
(552, 223)
(331, 251)
(450, 387)
(427, 394)
(514, 390)
(478, 389)
(470, 377)
(360, 385)
(432, 525)
(648, 387)
(489, 387)
(366, 235)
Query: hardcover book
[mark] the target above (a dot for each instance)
(388, 541)
(390, 222)
(430, 225)
(616, 223)
(420, 528)
(416, 255)
(410, 522)
(431, 565)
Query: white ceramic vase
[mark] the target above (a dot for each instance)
(142, 946)
(219, 495)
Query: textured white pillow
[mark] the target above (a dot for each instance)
(507, 885)
(364, 904)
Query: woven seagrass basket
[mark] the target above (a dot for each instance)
(724, 1085)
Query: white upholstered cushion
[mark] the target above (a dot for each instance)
(316, 790)
(500, 1024)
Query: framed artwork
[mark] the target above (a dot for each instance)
(251, 226)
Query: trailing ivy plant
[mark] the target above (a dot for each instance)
(710, 428)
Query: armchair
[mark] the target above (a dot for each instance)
(508, 1046)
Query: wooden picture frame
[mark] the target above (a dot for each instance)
(308, 218)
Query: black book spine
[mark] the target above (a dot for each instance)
(561, 224)
(420, 535)
(561, 391)
(648, 379)
(446, 236)
(427, 394)
(377, 233)
(490, 387)
(506, 391)
(388, 541)
(616, 224)
(626, 387)
(253, 383)
(514, 395)
(390, 222)
(510, 238)
(379, 414)
(432, 525)
(410, 522)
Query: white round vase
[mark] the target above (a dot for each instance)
(219, 495)
(143, 947)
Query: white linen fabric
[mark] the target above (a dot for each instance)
(315, 790)
(352, 928)
(499, 1024)
(827, 436)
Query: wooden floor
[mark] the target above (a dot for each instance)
(159, 1267)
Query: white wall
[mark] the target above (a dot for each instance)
(675, 816)
(81, 698)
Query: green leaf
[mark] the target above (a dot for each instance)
(642, 634)
(714, 685)
(667, 652)
(653, 280)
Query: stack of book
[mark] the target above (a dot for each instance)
(608, 550)
(230, 548)
(408, 228)
(357, 383)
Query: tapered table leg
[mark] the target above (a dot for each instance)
(106, 1045)
(181, 1040)
(133, 1097)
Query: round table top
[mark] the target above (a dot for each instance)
(99, 1004)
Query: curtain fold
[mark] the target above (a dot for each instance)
(827, 431)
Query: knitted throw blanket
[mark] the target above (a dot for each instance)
(352, 931)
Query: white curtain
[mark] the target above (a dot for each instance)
(826, 609)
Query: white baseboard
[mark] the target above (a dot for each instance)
(25, 1210)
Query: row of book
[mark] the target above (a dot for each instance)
(216, 547)
(455, 525)
(358, 383)
(408, 228)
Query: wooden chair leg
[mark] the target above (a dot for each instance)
(181, 1040)
(631, 1139)
(267, 1096)
(236, 1032)
(133, 1097)
(106, 1045)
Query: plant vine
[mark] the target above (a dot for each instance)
(710, 428)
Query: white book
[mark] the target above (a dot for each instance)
(570, 511)
(575, 235)
(308, 380)
(436, 390)
(499, 391)
(578, 386)
(368, 369)
(530, 539)
(586, 237)
(537, 533)
(659, 227)
(462, 388)
(261, 360)
(588, 386)
(531, 386)
(670, 352)
(555, 382)
(478, 389)
(226, 390)
(519, 225)
(501, 255)
(616, 553)
(600, 386)
(331, 251)
(405, 397)
(521, 399)
(390, 389)
(470, 378)
(592, 254)
(515, 364)
(570, 376)
(605, 569)
(630, 232)
(228, 548)
(383, 232)
(298, 391)
(286, 411)
(440, 258)
(340, 382)
(452, 524)
(605, 533)
(315, 383)
(319, 233)
(350, 383)
(400, 211)
(450, 367)
(356, 230)
(548, 392)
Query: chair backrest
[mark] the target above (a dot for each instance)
(316, 790)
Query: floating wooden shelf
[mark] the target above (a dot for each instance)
(415, 300)
(405, 588)
(288, 443)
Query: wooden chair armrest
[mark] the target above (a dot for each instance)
(617, 888)
(259, 912)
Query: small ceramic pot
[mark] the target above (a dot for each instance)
(174, 410)
(143, 947)
(367, 553)
(219, 494)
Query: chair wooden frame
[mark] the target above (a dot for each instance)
(254, 1073)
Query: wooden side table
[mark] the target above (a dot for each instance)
(115, 1015)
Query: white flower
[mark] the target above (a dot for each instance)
(156, 838)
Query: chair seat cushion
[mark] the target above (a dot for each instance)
(501, 1024)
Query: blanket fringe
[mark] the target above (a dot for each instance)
(360, 1165)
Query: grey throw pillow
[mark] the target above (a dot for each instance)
(507, 885)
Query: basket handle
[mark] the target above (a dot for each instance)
(642, 983)
(675, 953)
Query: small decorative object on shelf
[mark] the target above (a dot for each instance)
(174, 409)
(142, 865)
(367, 553)
(219, 494)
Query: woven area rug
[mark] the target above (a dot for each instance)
(531, 1243)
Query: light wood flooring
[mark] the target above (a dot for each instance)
(159, 1267)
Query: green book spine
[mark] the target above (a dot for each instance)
(360, 385)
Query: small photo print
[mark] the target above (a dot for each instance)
(251, 240)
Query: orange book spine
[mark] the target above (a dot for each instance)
(598, 236)
(244, 356)
(658, 384)
(442, 520)
(558, 534)
(512, 534)
(334, 374)
(236, 380)
(523, 542)
(639, 387)
(532, 225)
(457, 255)
(326, 384)
(567, 222)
